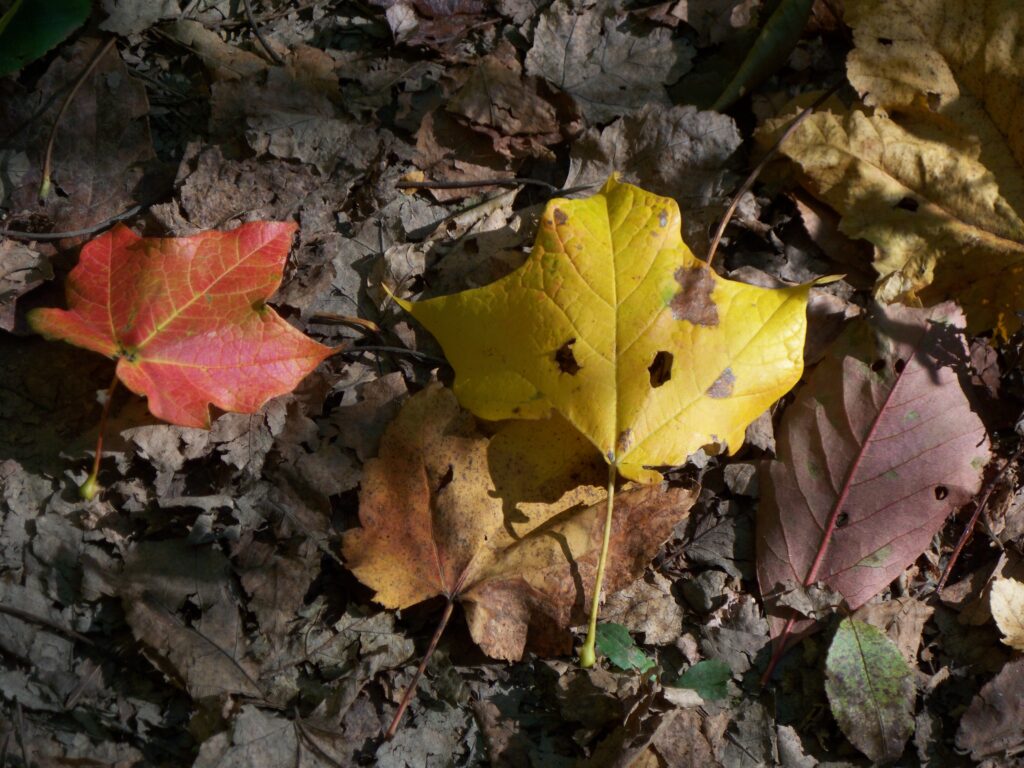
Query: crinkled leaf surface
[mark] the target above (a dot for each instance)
(936, 182)
(991, 725)
(615, 324)
(1007, 603)
(491, 523)
(870, 690)
(186, 318)
(879, 448)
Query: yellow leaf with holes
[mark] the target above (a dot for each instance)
(615, 324)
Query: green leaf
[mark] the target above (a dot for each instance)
(870, 690)
(35, 27)
(615, 642)
(708, 678)
(772, 47)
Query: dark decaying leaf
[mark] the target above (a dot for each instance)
(879, 448)
(992, 724)
(870, 689)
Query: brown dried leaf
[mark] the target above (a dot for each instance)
(504, 526)
(991, 727)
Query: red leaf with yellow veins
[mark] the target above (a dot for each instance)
(186, 318)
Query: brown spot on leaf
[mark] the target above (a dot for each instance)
(566, 360)
(661, 368)
(693, 302)
(625, 440)
(722, 386)
(663, 218)
(560, 216)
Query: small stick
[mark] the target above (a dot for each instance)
(407, 697)
(333, 317)
(513, 182)
(15, 234)
(588, 652)
(44, 182)
(42, 621)
(760, 167)
(89, 488)
(396, 350)
(969, 528)
(259, 35)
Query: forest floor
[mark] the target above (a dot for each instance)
(199, 610)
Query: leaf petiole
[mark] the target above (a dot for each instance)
(91, 486)
(588, 653)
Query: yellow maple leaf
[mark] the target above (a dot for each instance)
(1007, 603)
(934, 176)
(614, 323)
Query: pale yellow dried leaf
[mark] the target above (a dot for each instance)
(1007, 603)
(936, 215)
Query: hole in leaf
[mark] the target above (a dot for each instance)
(842, 520)
(661, 368)
(446, 479)
(885, 41)
(878, 365)
(934, 101)
(941, 492)
(898, 366)
(566, 359)
(908, 204)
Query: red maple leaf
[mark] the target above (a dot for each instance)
(186, 318)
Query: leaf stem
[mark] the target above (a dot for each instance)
(407, 697)
(91, 486)
(588, 653)
(44, 181)
(760, 167)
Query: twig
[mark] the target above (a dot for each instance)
(513, 182)
(407, 697)
(969, 528)
(259, 35)
(396, 350)
(16, 234)
(41, 621)
(760, 167)
(44, 182)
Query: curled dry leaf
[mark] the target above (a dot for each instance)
(506, 526)
(935, 181)
(877, 451)
(186, 318)
(1007, 602)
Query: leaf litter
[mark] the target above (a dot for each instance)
(203, 610)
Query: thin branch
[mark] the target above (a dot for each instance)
(44, 182)
(41, 621)
(15, 234)
(760, 167)
(395, 350)
(969, 528)
(259, 35)
(407, 697)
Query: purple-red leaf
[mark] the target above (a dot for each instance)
(876, 452)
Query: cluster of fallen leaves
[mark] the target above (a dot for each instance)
(209, 607)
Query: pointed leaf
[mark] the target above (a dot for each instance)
(870, 690)
(879, 448)
(186, 318)
(30, 29)
(445, 511)
(616, 325)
